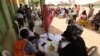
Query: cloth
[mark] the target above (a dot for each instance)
(83, 16)
(70, 49)
(19, 15)
(30, 48)
(55, 40)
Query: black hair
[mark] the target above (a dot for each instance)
(20, 4)
(26, 6)
(84, 12)
(24, 33)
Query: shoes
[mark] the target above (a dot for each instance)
(49, 39)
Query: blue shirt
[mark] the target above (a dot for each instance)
(30, 48)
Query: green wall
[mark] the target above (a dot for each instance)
(7, 33)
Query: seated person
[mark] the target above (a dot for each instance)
(76, 45)
(96, 21)
(83, 19)
(32, 34)
(24, 45)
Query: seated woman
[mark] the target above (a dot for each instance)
(75, 44)
(83, 19)
(33, 36)
(96, 21)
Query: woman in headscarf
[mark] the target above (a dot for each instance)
(83, 19)
(76, 45)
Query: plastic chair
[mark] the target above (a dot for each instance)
(93, 51)
(5, 53)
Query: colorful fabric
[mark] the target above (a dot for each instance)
(47, 18)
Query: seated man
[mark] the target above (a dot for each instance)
(23, 46)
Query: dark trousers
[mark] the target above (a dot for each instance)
(20, 22)
(74, 17)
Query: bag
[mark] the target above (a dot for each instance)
(19, 48)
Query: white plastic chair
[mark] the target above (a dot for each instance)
(93, 51)
(5, 53)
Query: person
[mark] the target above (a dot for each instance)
(47, 18)
(20, 17)
(57, 11)
(78, 9)
(75, 12)
(96, 21)
(91, 10)
(75, 44)
(33, 36)
(21, 10)
(83, 19)
(24, 43)
(28, 13)
(62, 13)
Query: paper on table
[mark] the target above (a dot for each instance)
(55, 40)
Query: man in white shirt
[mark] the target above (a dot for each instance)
(20, 17)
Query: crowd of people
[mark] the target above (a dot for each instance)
(28, 43)
(86, 17)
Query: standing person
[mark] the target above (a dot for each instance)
(91, 10)
(78, 9)
(28, 13)
(47, 18)
(75, 12)
(75, 45)
(20, 19)
(21, 10)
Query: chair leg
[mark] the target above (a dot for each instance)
(99, 30)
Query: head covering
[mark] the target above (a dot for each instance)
(83, 14)
(72, 30)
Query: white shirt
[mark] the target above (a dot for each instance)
(19, 15)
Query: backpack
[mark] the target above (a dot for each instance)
(19, 48)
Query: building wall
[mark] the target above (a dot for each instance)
(7, 36)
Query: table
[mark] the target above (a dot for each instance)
(55, 41)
